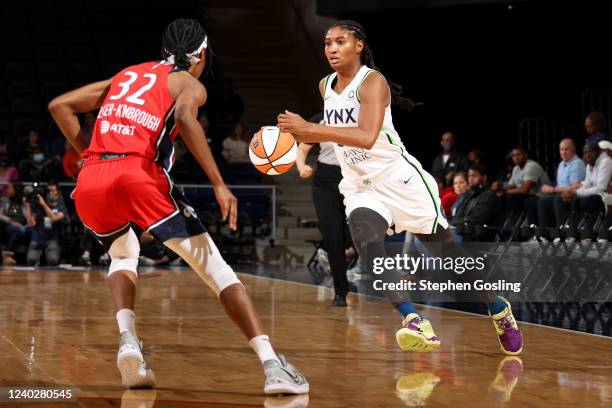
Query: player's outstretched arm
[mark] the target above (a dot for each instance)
(374, 96)
(192, 95)
(65, 107)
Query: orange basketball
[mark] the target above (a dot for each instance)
(273, 152)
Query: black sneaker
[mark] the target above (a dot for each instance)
(339, 300)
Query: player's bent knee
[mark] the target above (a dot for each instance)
(201, 253)
(124, 253)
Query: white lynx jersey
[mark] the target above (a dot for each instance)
(385, 178)
(342, 110)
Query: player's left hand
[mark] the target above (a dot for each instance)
(228, 204)
(292, 123)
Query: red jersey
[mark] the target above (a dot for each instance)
(137, 116)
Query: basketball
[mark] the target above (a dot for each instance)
(273, 152)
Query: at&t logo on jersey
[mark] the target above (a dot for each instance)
(339, 116)
(106, 127)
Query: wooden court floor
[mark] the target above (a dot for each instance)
(57, 328)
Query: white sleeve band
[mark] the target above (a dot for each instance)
(124, 253)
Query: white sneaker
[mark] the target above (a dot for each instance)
(283, 378)
(176, 262)
(323, 260)
(135, 373)
(144, 261)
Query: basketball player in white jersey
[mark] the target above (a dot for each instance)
(382, 184)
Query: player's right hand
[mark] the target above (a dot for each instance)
(228, 204)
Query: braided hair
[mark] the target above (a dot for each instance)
(367, 59)
(182, 37)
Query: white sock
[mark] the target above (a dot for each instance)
(263, 348)
(126, 319)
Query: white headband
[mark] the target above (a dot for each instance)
(192, 55)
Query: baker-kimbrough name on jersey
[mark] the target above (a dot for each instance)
(132, 114)
(340, 116)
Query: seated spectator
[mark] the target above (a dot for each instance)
(27, 148)
(451, 199)
(154, 254)
(8, 172)
(595, 125)
(527, 180)
(71, 162)
(571, 170)
(606, 146)
(40, 168)
(479, 206)
(44, 216)
(449, 161)
(235, 148)
(13, 220)
(586, 197)
(502, 178)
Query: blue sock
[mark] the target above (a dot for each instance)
(406, 308)
(497, 305)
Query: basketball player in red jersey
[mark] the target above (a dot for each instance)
(125, 180)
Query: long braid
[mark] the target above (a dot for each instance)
(367, 59)
(184, 36)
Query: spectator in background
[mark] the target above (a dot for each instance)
(44, 216)
(479, 206)
(8, 172)
(527, 180)
(449, 161)
(235, 148)
(87, 125)
(504, 175)
(595, 125)
(606, 146)
(571, 170)
(475, 156)
(13, 218)
(40, 168)
(27, 148)
(451, 198)
(4, 147)
(71, 162)
(587, 196)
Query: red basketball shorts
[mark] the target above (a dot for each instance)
(113, 193)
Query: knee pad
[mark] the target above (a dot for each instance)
(124, 253)
(201, 253)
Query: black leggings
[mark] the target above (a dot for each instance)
(332, 222)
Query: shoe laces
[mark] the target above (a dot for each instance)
(507, 322)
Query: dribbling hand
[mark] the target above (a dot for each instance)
(228, 204)
(293, 123)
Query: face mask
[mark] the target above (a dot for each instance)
(447, 146)
(38, 157)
